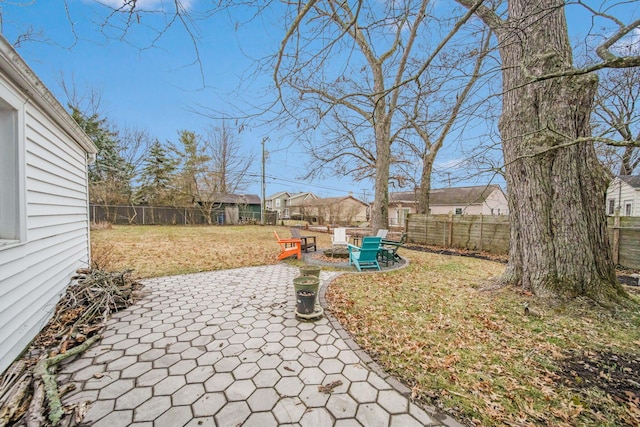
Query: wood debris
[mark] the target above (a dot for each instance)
(327, 389)
(29, 393)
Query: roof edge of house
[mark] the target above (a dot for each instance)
(16, 68)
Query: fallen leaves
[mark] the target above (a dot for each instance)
(475, 354)
(327, 389)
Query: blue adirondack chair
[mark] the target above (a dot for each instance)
(365, 256)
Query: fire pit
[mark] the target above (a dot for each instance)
(339, 252)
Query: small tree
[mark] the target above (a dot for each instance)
(157, 177)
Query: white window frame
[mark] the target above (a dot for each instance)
(12, 170)
(628, 208)
(277, 203)
(611, 206)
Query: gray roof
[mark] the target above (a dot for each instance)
(240, 199)
(327, 201)
(462, 196)
(632, 180)
(277, 195)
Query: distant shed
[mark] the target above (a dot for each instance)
(44, 214)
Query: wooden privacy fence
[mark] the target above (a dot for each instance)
(491, 234)
(472, 232)
(168, 215)
(624, 235)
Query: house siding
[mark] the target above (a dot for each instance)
(447, 209)
(34, 273)
(395, 213)
(621, 193)
(495, 204)
(337, 211)
(446, 201)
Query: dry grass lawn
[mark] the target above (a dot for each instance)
(439, 326)
(154, 251)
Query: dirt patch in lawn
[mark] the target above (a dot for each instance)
(615, 374)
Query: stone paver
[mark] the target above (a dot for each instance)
(225, 348)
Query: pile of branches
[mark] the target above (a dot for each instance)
(29, 393)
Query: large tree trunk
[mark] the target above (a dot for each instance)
(380, 209)
(556, 187)
(425, 184)
(382, 131)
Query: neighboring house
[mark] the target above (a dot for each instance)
(231, 209)
(624, 193)
(278, 203)
(296, 204)
(337, 211)
(474, 200)
(44, 214)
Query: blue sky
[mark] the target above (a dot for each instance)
(158, 89)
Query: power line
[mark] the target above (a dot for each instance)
(341, 190)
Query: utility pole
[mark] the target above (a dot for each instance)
(264, 186)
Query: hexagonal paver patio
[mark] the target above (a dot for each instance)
(225, 348)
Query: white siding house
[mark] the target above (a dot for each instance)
(474, 200)
(624, 193)
(44, 216)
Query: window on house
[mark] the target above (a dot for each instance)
(458, 211)
(277, 203)
(498, 211)
(611, 207)
(9, 175)
(627, 209)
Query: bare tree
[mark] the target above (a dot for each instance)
(361, 96)
(434, 125)
(617, 117)
(355, 104)
(559, 243)
(230, 164)
(134, 146)
(209, 168)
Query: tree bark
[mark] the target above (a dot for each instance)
(425, 184)
(380, 210)
(556, 186)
